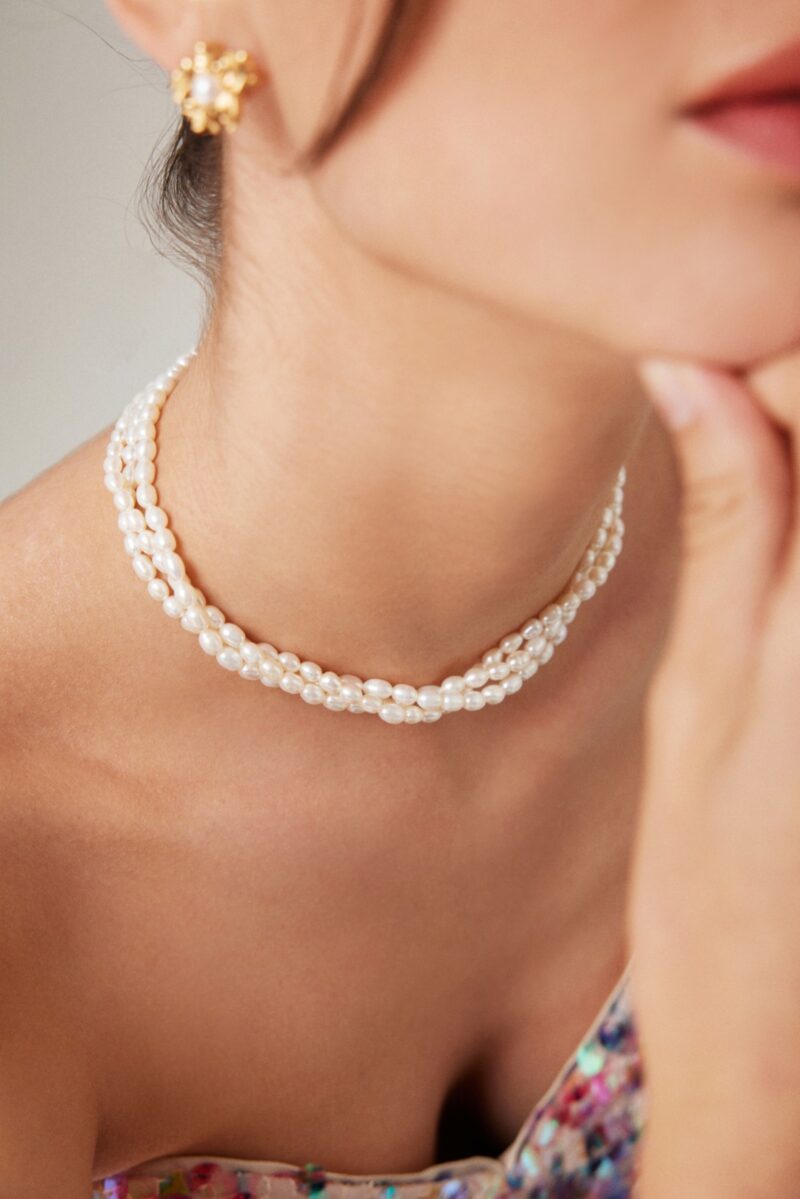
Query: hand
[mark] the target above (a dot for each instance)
(714, 897)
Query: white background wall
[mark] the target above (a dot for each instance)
(89, 312)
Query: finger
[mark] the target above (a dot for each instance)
(776, 385)
(736, 485)
(777, 388)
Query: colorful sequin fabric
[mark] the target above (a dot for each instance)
(579, 1142)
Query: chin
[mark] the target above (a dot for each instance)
(735, 333)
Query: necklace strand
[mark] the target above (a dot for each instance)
(130, 471)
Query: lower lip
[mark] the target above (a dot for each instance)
(768, 129)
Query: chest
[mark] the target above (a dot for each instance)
(367, 1011)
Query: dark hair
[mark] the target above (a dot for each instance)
(180, 195)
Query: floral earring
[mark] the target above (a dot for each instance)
(207, 86)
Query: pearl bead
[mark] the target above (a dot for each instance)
(453, 683)
(156, 517)
(499, 670)
(131, 543)
(511, 683)
(291, 682)
(510, 643)
(193, 620)
(378, 687)
(248, 671)
(229, 659)
(537, 646)
(474, 700)
(312, 693)
(430, 697)
(546, 653)
(143, 567)
(164, 539)
(452, 701)
(215, 617)
(350, 692)
(122, 500)
(204, 88)
(493, 694)
(144, 449)
(476, 676)
(329, 682)
(492, 656)
(144, 472)
(185, 592)
(404, 694)
(310, 671)
(271, 672)
(413, 715)
(519, 660)
(250, 653)
(335, 703)
(173, 607)
(372, 703)
(534, 628)
(232, 635)
(173, 564)
(158, 589)
(586, 589)
(392, 713)
(210, 642)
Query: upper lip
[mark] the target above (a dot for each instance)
(775, 74)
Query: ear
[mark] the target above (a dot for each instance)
(167, 29)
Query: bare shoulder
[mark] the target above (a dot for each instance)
(48, 1108)
(48, 540)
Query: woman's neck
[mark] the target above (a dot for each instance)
(383, 476)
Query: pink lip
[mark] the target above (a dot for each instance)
(756, 109)
(768, 130)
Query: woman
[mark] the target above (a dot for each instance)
(254, 944)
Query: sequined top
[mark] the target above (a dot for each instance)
(579, 1141)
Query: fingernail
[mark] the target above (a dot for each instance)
(679, 390)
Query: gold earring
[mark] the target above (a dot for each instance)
(207, 86)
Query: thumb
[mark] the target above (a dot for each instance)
(735, 481)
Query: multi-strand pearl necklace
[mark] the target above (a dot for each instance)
(130, 471)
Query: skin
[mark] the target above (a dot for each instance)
(413, 394)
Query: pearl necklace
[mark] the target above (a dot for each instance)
(129, 469)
